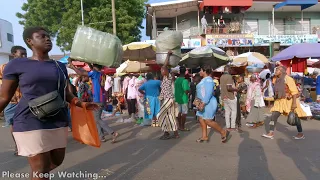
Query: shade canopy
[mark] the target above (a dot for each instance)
(249, 58)
(303, 50)
(304, 4)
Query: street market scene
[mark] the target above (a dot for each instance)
(160, 89)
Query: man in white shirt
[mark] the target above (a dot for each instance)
(107, 87)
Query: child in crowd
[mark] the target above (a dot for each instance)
(84, 92)
(120, 104)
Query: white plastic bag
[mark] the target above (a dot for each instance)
(169, 40)
(93, 46)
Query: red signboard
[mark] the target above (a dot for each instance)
(226, 3)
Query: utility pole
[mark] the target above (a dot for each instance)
(82, 19)
(114, 17)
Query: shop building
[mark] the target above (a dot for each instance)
(6, 40)
(238, 26)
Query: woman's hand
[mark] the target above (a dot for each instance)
(293, 106)
(91, 106)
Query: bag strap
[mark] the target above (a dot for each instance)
(65, 86)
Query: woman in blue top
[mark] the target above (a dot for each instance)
(151, 91)
(44, 143)
(205, 93)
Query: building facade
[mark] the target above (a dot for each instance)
(6, 40)
(246, 25)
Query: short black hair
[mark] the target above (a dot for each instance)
(207, 68)
(197, 77)
(14, 49)
(28, 32)
(182, 70)
(268, 76)
(150, 76)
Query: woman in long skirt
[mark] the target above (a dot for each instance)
(166, 116)
(254, 103)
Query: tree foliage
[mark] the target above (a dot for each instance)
(61, 18)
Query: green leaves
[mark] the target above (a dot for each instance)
(61, 18)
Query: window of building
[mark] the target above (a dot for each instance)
(279, 27)
(302, 27)
(9, 37)
(251, 26)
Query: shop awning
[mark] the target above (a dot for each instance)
(240, 3)
(303, 3)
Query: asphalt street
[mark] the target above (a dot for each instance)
(140, 155)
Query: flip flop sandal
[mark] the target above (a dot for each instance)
(165, 137)
(267, 136)
(200, 140)
(226, 138)
(299, 138)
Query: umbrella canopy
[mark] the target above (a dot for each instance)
(303, 50)
(139, 51)
(133, 67)
(213, 56)
(249, 58)
(64, 60)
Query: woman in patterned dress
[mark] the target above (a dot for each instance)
(166, 116)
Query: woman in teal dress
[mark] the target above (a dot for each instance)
(205, 93)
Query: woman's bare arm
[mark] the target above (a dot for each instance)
(8, 88)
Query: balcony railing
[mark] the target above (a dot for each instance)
(239, 28)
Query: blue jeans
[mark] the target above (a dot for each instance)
(9, 113)
(101, 125)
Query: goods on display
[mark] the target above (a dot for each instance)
(169, 40)
(93, 46)
(315, 109)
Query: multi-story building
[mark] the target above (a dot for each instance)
(6, 40)
(237, 25)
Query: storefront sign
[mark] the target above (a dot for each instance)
(186, 44)
(230, 40)
(191, 43)
(285, 40)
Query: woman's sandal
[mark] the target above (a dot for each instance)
(200, 140)
(226, 138)
(185, 129)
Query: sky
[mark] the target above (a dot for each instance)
(9, 8)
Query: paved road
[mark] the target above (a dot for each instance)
(140, 155)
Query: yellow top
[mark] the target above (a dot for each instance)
(284, 105)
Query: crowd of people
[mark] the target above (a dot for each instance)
(161, 102)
